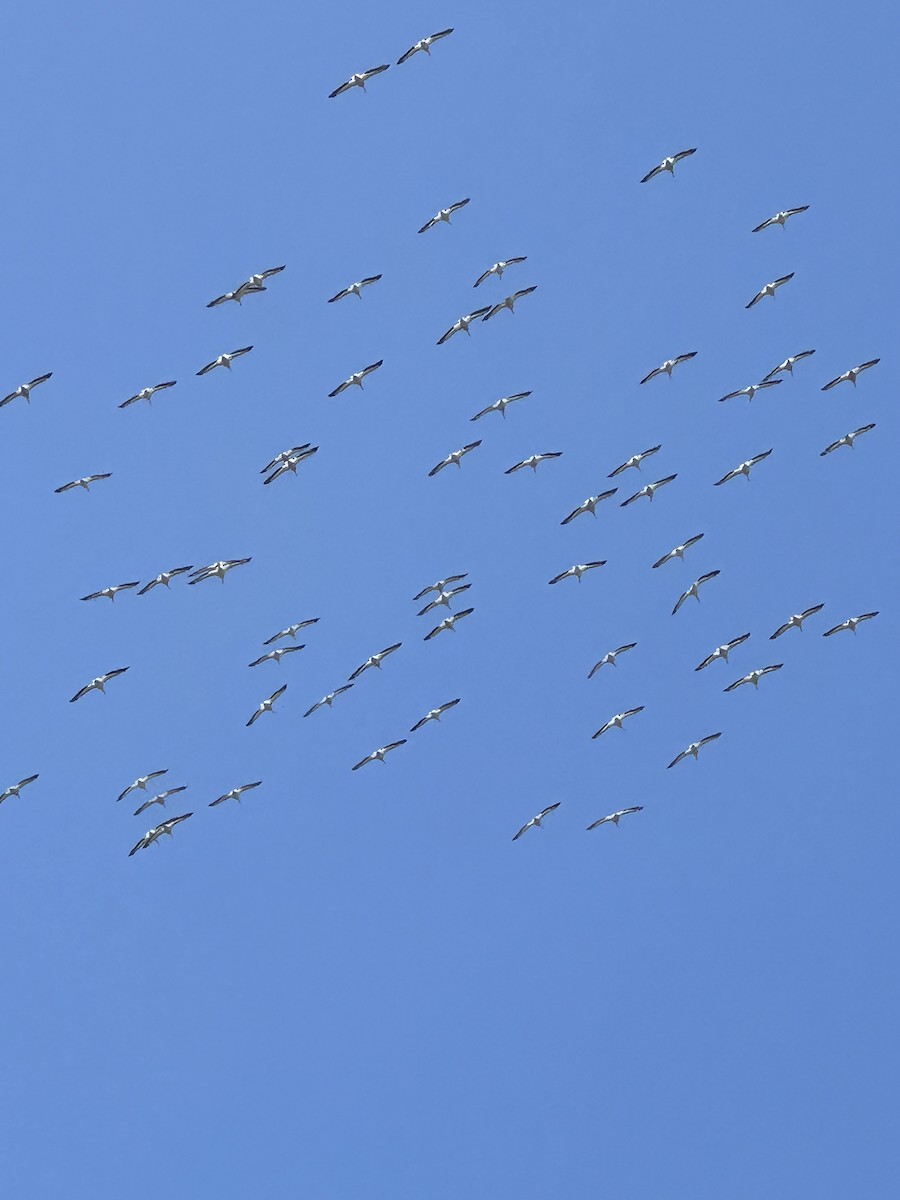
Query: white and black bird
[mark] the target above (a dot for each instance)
(754, 677)
(616, 722)
(434, 714)
(693, 750)
(678, 551)
(355, 379)
(374, 660)
(234, 794)
(668, 164)
(614, 818)
(328, 700)
(441, 585)
(443, 598)
(847, 440)
(267, 705)
(355, 289)
(796, 621)
(498, 268)
(277, 655)
(423, 45)
(224, 360)
(649, 490)
(743, 468)
(769, 289)
(140, 784)
(694, 590)
(509, 302)
(160, 798)
(153, 835)
(448, 623)
(852, 375)
(24, 389)
(110, 593)
(850, 624)
(669, 366)
(283, 456)
(578, 570)
(787, 367)
(216, 570)
(360, 79)
(751, 390)
(445, 214)
(462, 325)
(535, 822)
(378, 755)
(164, 578)
(635, 461)
(290, 464)
(722, 652)
(609, 659)
(454, 458)
(17, 787)
(148, 393)
(257, 279)
(98, 684)
(82, 483)
(500, 405)
(588, 506)
(291, 631)
(532, 461)
(781, 218)
(245, 289)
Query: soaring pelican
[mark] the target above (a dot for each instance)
(378, 755)
(355, 289)
(743, 468)
(148, 393)
(634, 461)
(216, 570)
(24, 389)
(328, 700)
(851, 623)
(678, 552)
(693, 749)
(509, 302)
(453, 459)
(535, 822)
(153, 835)
(291, 631)
(796, 621)
(443, 598)
(769, 289)
(360, 79)
(616, 721)
(375, 660)
(234, 794)
(781, 218)
(245, 289)
(224, 360)
(649, 490)
(668, 164)
(276, 656)
(852, 375)
(614, 818)
(448, 623)
(498, 268)
(291, 463)
(500, 405)
(355, 379)
(140, 784)
(440, 586)
(109, 593)
(462, 325)
(82, 483)
(750, 391)
(588, 506)
(754, 677)
(669, 366)
(163, 579)
(434, 714)
(98, 684)
(847, 440)
(283, 455)
(532, 461)
(445, 214)
(578, 570)
(609, 659)
(424, 45)
(722, 651)
(787, 367)
(17, 787)
(160, 799)
(266, 705)
(694, 590)
(259, 278)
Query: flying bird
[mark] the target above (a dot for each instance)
(159, 799)
(224, 360)
(509, 302)
(614, 818)
(148, 393)
(668, 164)
(355, 379)
(669, 366)
(454, 458)
(110, 593)
(722, 651)
(164, 578)
(851, 623)
(291, 463)
(532, 461)
(754, 677)
(462, 325)
(440, 586)
(781, 218)
(444, 214)
(678, 552)
(498, 268)
(375, 660)
(355, 289)
(743, 468)
(535, 822)
(787, 367)
(291, 631)
(276, 655)
(847, 440)
(434, 714)
(448, 623)
(266, 705)
(259, 278)
(283, 456)
(693, 750)
(98, 684)
(500, 405)
(750, 391)
(82, 483)
(616, 721)
(153, 835)
(609, 659)
(443, 598)
(234, 794)
(648, 491)
(769, 289)
(360, 79)
(852, 375)
(634, 461)
(694, 590)
(24, 389)
(216, 570)
(328, 700)
(140, 784)
(578, 570)
(796, 621)
(17, 787)
(588, 506)
(378, 755)
(424, 44)
(245, 289)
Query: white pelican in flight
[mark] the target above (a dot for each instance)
(444, 214)
(216, 570)
(291, 631)
(588, 506)
(110, 593)
(787, 367)
(441, 585)
(160, 799)
(535, 822)
(355, 289)
(24, 389)
(82, 483)
(164, 578)
(693, 750)
(847, 440)
(678, 551)
(224, 360)
(694, 590)
(360, 79)
(532, 461)
(434, 714)
(245, 289)
(743, 468)
(649, 490)
(267, 705)
(500, 405)
(277, 655)
(796, 621)
(234, 794)
(17, 787)
(669, 366)
(448, 623)
(462, 325)
(614, 818)
(852, 375)
(754, 677)
(98, 684)
(374, 661)
(140, 784)
(634, 461)
(750, 391)
(769, 289)
(424, 45)
(453, 459)
(609, 659)
(291, 463)
(509, 302)
(722, 651)
(616, 721)
(283, 456)
(498, 268)
(355, 379)
(578, 570)
(378, 755)
(443, 598)
(148, 393)
(668, 164)
(781, 218)
(153, 835)
(328, 700)
(851, 623)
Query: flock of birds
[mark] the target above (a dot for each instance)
(444, 592)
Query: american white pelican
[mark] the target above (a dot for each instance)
(609, 659)
(360, 79)
(694, 590)
(82, 483)
(588, 506)
(448, 623)
(160, 799)
(374, 661)
(614, 818)
(355, 379)
(153, 835)
(378, 755)
(98, 684)
(693, 750)
(24, 389)
(328, 700)
(140, 784)
(852, 375)
(267, 705)
(796, 621)
(443, 598)
(769, 289)
(535, 822)
(851, 623)
(245, 289)
(260, 276)
(216, 570)
(616, 721)
(424, 44)
(669, 366)
(277, 655)
(462, 325)
(224, 360)
(17, 787)
(500, 405)
(498, 268)
(234, 794)
(578, 570)
(781, 218)
(509, 302)
(355, 289)
(678, 552)
(109, 593)
(163, 579)
(291, 463)
(283, 456)
(434, 714)
(634, 461)
(453, 459)
(444, 214)
(787, 367)
(441, 585)
(743, 468)
(750, 391)
(847, 440)
(649, 490)
(532, 461)
(668, 164)
(754, 677)
(148, 393)
(722, 651)
(291, 631)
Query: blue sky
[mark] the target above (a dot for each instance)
(354, 984)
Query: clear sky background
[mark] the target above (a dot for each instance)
(355, 984)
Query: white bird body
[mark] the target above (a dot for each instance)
(614, 818)
(82, 483)
(535, 822)
(245, 289)
(291, 631)
(448, 624)
(750, 391)
(444, 214)
(140, 784)
(780, 218)
(852, 375)
(796, 621)
(443, 598)
(164, 578)
(616, 722)
(609, 659)
(257, 280)
(24, 389)
(98, 684)
(769, 289)
(434, 714)
(500, 405)
(578, 570)
(588, 506)
(234, 794)
(216, 570)
(356, 379)
(328, 700)
(454, 458)
(375, 660)
(291, 463)
(847, 440)
(787, 367)
(649, 490)
(423, 45)
(678, 551)
(693, 750)
(668, 164)
(277, 655)
(509, 302)
(355, 289)
(267, 705)
(153, 835)
(147, 393)
(723, 651)
(160, 798)
(498, 268)
(378, 755)
(224, 360)
(440, 586)
(669, 366)
(850, 624)
(110, 593)
(462, 325)
(694, 590)
(754, 677)
(533, 461)
(743, 468)
(17, 787)
(359, 79)
(635, 461)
